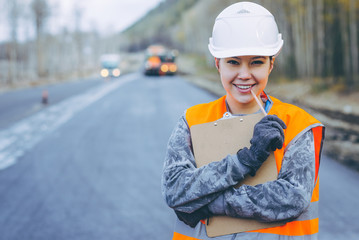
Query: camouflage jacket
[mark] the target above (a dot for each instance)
(187, 188)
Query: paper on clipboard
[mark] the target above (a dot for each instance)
(215, 140)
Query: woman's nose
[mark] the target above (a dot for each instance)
(244, 73)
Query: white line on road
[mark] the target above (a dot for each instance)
(25, 134)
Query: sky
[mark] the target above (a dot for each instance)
(106, 16)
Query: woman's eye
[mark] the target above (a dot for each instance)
(233, 62)
(258, 62)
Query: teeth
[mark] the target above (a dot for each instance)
(243, 87)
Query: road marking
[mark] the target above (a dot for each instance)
(25, 134)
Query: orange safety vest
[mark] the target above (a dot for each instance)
(298, 121)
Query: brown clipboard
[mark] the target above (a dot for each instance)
(215, 140)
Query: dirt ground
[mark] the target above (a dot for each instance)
(338, 112)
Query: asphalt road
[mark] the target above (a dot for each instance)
(88, 165)
(22, 103)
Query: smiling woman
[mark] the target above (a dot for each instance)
(244, 43)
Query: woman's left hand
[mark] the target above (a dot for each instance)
(193, 218)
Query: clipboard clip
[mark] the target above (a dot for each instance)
(226, 115)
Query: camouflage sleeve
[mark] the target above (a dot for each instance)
(187, 188)
(282, 199)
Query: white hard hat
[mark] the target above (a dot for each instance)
(244, 29)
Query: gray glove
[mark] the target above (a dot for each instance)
(268, 136)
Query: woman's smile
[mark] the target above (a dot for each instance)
(244, 88)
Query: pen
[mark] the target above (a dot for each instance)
(259, 103)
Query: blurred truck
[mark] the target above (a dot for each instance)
(110, 65)
(160, 61)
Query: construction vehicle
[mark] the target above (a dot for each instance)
(160, 61)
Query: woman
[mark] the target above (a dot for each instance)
(244, 43)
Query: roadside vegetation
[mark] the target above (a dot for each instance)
(34, 55)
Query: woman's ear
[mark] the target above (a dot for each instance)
(217, 63)
(271, 64)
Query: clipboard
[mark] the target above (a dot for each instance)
(215, 140)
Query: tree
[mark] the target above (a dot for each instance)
(320, 38)
(353, 32)
(41, 12)
(78, 13)
(13, 19)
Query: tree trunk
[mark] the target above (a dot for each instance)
(343, 18)
(41, 12)
(13, 17)
(353, 30)
(297, 38)
(309, 41)
(320, 58)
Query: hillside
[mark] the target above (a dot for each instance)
(157, 26)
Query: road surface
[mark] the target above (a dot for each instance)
(88, 165)
(22, 103)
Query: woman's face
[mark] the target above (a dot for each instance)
(240, 76)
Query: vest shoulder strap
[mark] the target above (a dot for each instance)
(206, 112)
(296, 119)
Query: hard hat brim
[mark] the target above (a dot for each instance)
(246, 51)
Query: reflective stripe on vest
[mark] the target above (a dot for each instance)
(184, 232)
(240, 236)
(307, 223)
